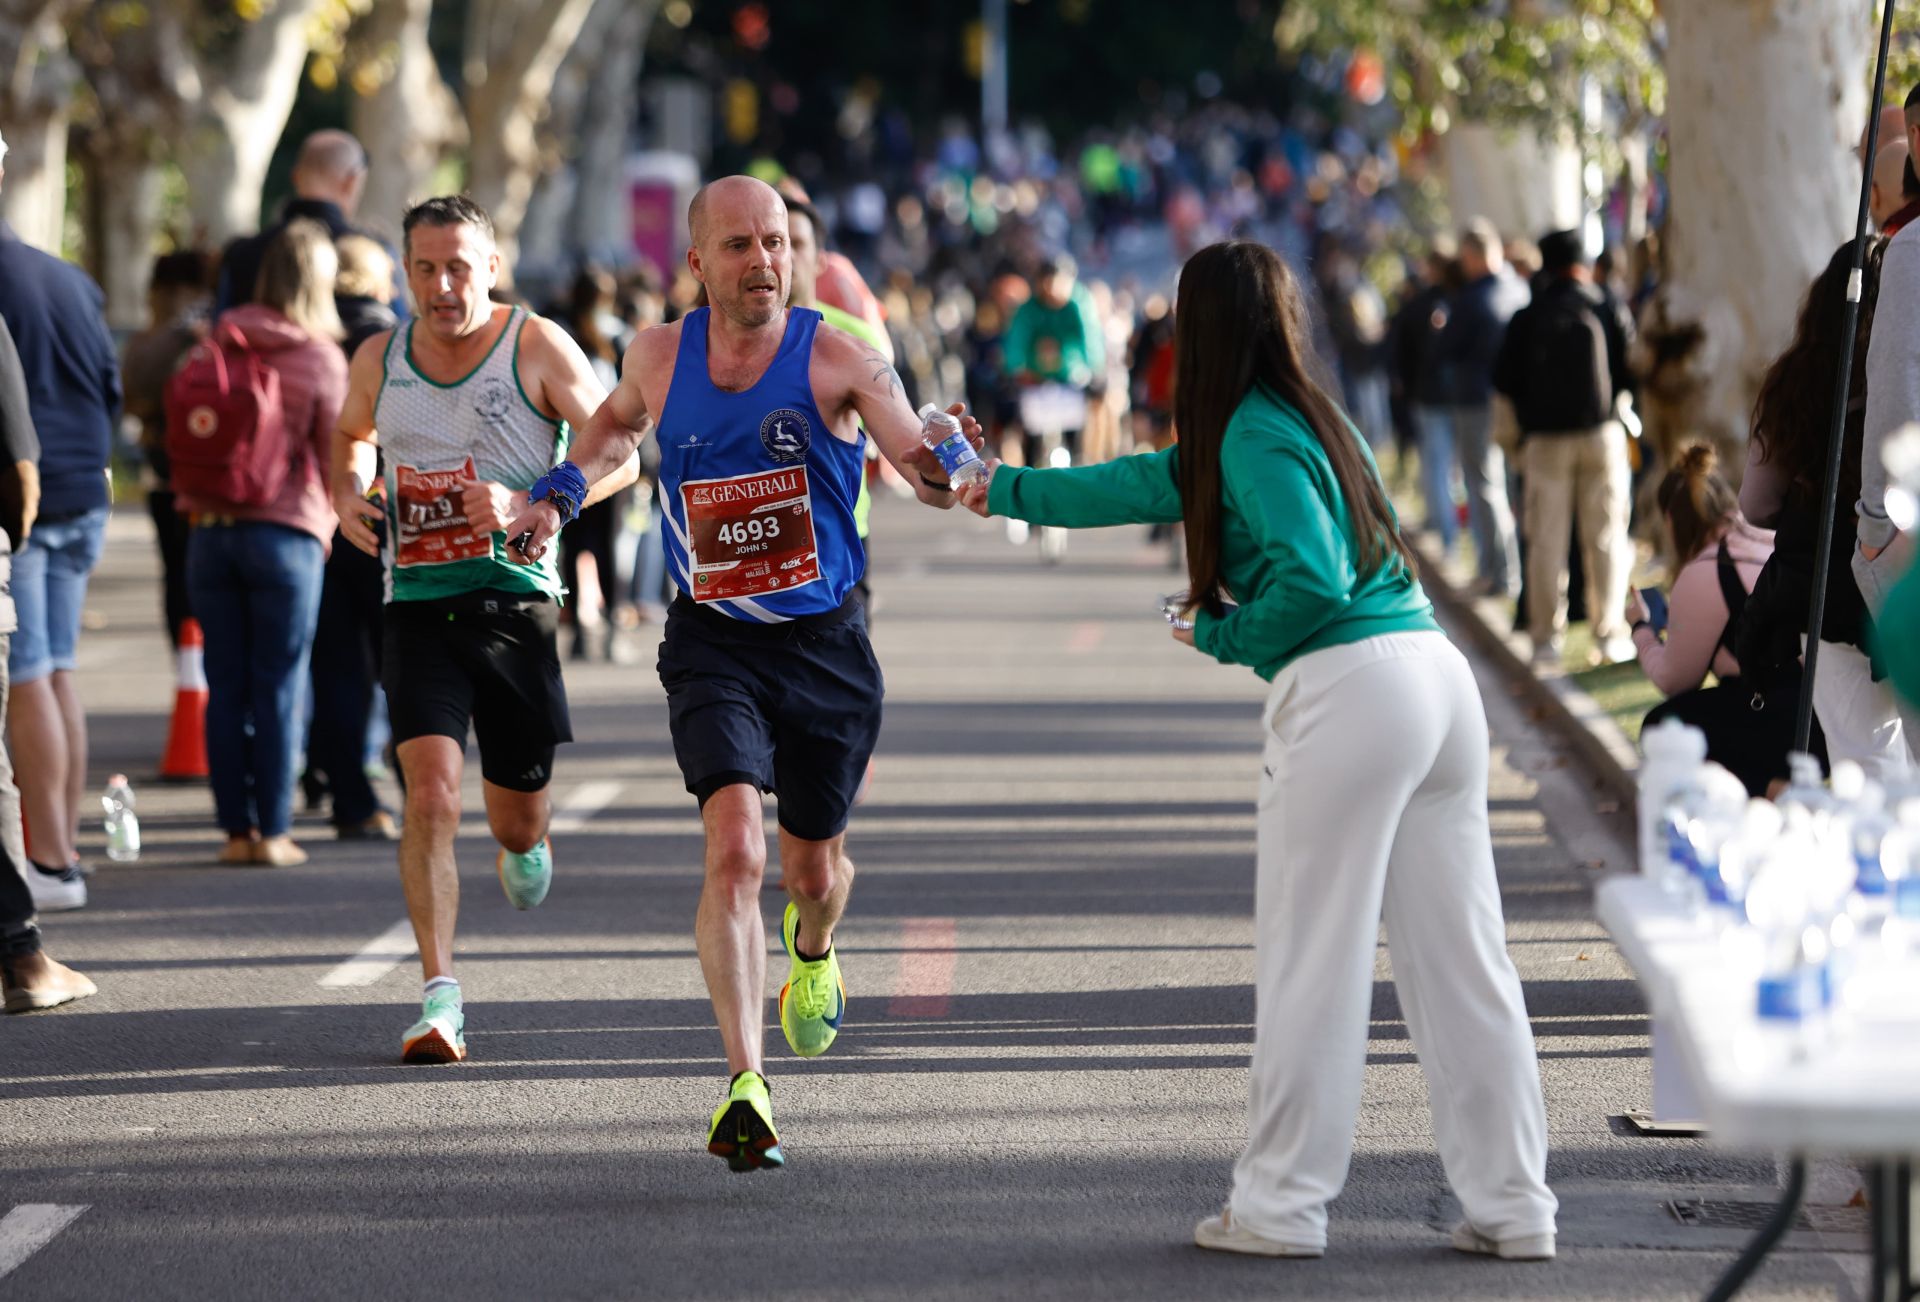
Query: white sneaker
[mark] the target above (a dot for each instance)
(1616, 651)
(1222, 1235)
(1528, 1247)
(1546, 658)
(1018, 532)
(56, 892)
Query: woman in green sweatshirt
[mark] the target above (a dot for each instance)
(1373, 799)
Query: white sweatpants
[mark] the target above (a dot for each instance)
(1861, 718)
(1374, 803)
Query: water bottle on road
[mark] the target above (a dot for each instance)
(941, 432)
(122, 824)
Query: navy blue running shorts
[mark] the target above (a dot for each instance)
(791, 708)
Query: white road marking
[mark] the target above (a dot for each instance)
(30, 1227)
(377, 958)
(582, 803)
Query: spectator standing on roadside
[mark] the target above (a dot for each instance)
(1476, 324)
(587, 551)
(29, 978)
(346, 640)
(328, 176)
(1416, 365)
(254, 571)
(73, 392)
(177, 304)
(1563, 362)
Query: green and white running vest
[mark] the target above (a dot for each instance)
(432, 435)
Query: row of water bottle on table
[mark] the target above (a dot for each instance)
(1812, 897)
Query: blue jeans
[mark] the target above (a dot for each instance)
(1434, 425)
(255, 589)
(1483, 471)
(49, 589)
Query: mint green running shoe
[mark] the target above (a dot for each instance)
(437, 1037)
(526, 877)
(814, 998)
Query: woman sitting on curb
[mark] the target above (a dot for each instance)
(1720, 557)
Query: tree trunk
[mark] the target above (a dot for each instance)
(507, 92)
(602, 223)
(1523, 184)
(580, 209)
(1765, 102)
(123, 217)
(404, 113)
(237, 123)
(37, 79)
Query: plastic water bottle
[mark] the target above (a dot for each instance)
(122, 824)
(941, 432)
(1792, 992)
(1703, 822)
(1674, 753)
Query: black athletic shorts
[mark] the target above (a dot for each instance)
(489, 659)
(791, 708)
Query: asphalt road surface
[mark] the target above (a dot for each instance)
(1040, 1085)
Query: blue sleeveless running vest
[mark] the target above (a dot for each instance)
(757, 492)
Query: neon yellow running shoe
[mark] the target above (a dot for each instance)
(814, 998)
(742, 1130)
(526, 877)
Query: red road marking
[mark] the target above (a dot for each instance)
(1086, 637)
(926, 968)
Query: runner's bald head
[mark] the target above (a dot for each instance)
(727, 197)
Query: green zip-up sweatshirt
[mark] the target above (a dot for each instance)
(1286, 537)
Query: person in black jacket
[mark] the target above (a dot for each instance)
(345, 663)
(1563, 364)
(1785, 490)
(328, 176)
(29, 977)
(1419, 386)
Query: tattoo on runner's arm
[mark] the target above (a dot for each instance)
(883, 370)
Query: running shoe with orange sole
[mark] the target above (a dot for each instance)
(437, 1037)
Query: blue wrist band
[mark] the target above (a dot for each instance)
(565, 487)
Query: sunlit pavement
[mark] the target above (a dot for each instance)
(1038, 1090)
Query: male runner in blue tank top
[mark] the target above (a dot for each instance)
(771, 684)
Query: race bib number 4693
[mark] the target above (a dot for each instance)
(751, 535)
(432, 527)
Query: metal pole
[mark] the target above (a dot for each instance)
(993, 73)
(1836, 435)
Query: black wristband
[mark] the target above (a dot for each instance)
(946, 487)
(1639, 624)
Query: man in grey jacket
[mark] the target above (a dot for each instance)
(29, 978)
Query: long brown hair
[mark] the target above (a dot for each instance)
(1698, 502)
(297, 273)
(1792, 414)
(1241, 321)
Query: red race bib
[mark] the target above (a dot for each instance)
(433, 529)
(751, 535)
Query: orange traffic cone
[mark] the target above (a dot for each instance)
(186, 755)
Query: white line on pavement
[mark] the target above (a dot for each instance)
(30, 1227)
(377, 958)
(582, 803)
